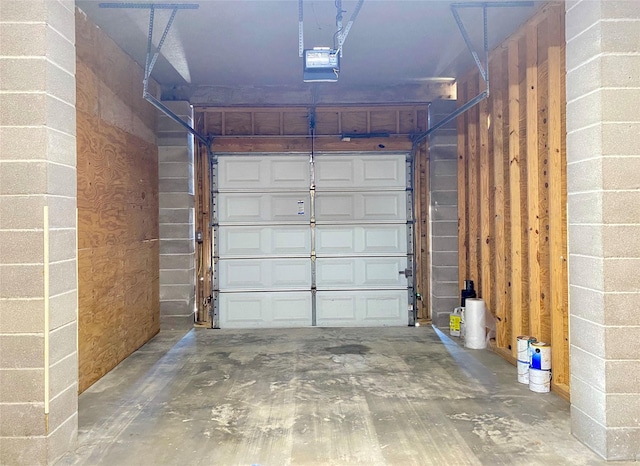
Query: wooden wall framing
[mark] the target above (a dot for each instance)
(512, 189)
(286, 129)
(375, 128)
(204, 253)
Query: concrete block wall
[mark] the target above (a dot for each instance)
(443, 183)
(603, 178)
(177, 245)
(38, 255)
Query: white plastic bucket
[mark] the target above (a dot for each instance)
(523, 372)
(539, 381)
(524, 348)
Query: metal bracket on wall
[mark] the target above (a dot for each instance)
(151, 59)
(483, 65)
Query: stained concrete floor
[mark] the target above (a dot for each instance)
(384, 396)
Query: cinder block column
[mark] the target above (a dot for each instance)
(443, 183)
(38, 290)
(177, 246)
(603, 156)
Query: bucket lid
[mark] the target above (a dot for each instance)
(540, 344)
(527, 337)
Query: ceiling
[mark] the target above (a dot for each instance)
(255, 42)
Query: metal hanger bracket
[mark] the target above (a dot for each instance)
(150, 60)
(482, 64)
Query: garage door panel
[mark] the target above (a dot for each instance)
(361, 308)
(335, 308)
(265, 309)
(387, 307)
(335, 272)
(264, 208)
(360, 272)
(263, 173)
(266, 240)
(241, 241)
(291, 307)
(384, 239)
(259, 241)
(265, 274)
(349, 240)
(360, 172)
(289, 173)
(291, 240)
(386, 206)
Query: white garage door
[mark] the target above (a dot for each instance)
(293, 256)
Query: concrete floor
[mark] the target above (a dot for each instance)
(384, 396)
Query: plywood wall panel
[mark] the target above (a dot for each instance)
(265, 124)
(86, 89)
(524, 216)
(355, 122)
(407, 121)
(147, 114)
(328, 122)
(212, 123)
(421, 119)
(117, 178)
(295, 122)
(238, 123)
(383, 121)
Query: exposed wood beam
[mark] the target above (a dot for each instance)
(557, 193)
(463, 213)
(484, 184)
(473, 198)
(514, 193)
(533, 184)
(500, 155)
(332, 94)
(303, 144)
